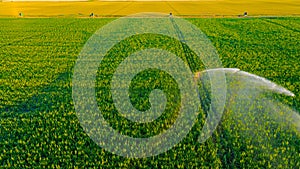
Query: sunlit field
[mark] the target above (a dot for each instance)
(260, 126)
(204, 8)
(39, 126)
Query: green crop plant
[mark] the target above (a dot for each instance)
(39, 127)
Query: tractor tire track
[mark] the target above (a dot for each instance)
(282, 25)
(118, 10)
(169, 4)
(204, 102)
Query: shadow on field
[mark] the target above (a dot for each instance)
(54, 96)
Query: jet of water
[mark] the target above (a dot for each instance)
(252, 110)
(247, 97)
(245, 89)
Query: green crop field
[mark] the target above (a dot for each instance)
(39, 127)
